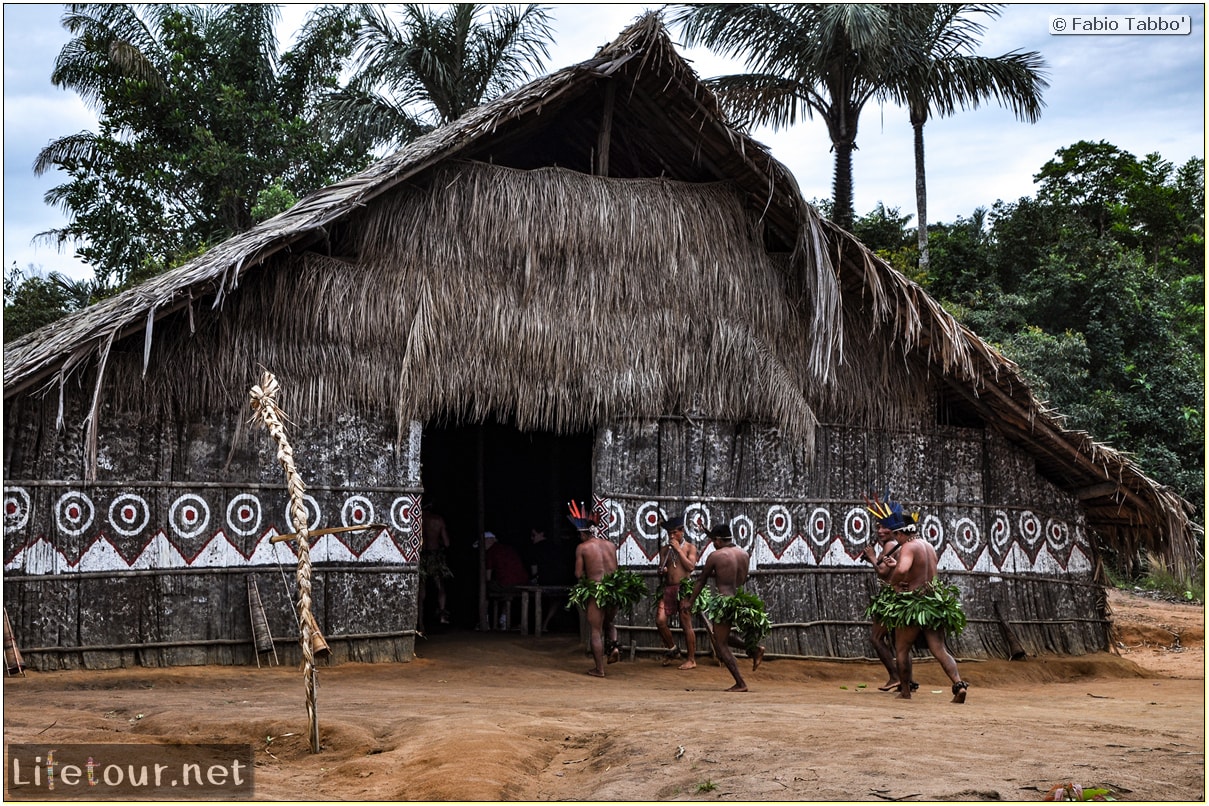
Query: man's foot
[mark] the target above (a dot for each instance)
(443, 616)
(614, 655)
(737, 687)
(959, 691)
(595, 672)
(891, 685)
(671, 656)
(757, 657)
(688, 664)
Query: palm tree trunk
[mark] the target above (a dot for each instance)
(921, 194)
(841, 186)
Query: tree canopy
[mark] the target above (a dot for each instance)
(199, 113)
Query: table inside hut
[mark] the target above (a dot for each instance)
(536, 592)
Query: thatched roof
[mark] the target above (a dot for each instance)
(631, 192)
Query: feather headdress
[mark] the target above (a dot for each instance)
(890, 514)
(579, 517)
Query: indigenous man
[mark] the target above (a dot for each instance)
(602, 588)
(676, 563)
(731, 608)
(917, 602)
(881, 638)
(433, 567)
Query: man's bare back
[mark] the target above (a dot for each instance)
(595, 558)
(728, 567)
(434, 533)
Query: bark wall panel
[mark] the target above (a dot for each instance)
(155, 552)
(805, 523)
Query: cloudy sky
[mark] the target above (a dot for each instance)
(1142, 93)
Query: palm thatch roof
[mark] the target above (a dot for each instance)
(492, 268)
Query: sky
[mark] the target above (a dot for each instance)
(1143, 93)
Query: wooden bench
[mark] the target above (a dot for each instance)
(536, 591)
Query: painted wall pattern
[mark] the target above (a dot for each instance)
(115, 530)
(1008, 541)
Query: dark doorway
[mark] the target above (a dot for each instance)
(526, 480)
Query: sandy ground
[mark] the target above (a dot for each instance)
(503, 717)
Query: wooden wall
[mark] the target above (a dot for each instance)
(1003, 534)
(150, 563)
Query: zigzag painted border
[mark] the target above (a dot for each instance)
(40, 557)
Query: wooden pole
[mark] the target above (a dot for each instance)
(264, 404)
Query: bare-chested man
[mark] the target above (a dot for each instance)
(676, 563)
(731, 608)
(594, 560)
(881, 638)
(913, 569)
(433, 566)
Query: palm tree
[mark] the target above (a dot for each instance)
(942, 76)
(828, 59)
(434, 66)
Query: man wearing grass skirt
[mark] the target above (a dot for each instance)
(601, 589)
(915, 601)
(738, 618)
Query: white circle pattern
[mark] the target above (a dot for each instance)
(1030, 528)
(313, 513)
(357, 511)
(780, 523)
(933, 531)
(16, 508)
(243, 514)
(965, 535)
(189, 515)
(819, 527)
(128, 514)
(647, 520)
(74, 512)
(403, 512)
(1058, 534)
(856, 525)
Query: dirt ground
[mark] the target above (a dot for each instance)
(501, 716)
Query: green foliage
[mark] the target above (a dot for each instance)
(934, 606)
(1096, 289)
(32, 300)
(417, 66)
(621, 588)
(706, 786)
(198, 114)
(271, 201)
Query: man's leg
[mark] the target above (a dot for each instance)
(879, 636)
(665, 633)
(596, 637)
(904, 639)
(722, 639)
(690, 637)
(936, 645)
(610, 630)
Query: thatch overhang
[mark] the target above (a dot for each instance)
(637, 111)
